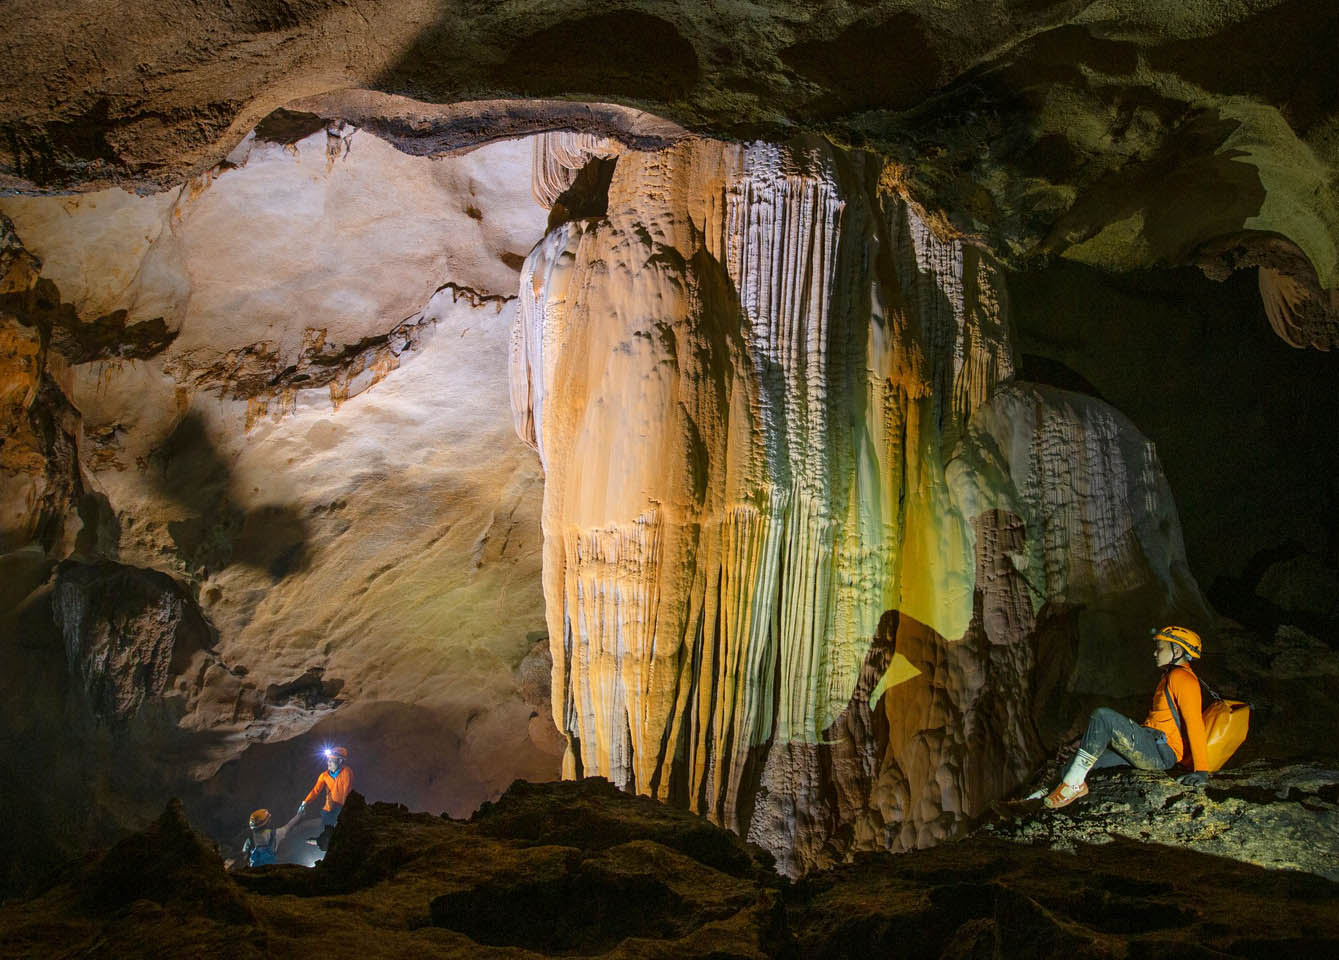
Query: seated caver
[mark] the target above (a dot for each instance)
(1113, 739)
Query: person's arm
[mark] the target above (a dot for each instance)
(282, 832)
(1183, 685)
(312, 794)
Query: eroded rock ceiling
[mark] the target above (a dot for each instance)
(1121, 134)
(283, 300)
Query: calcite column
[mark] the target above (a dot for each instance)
(765, 598)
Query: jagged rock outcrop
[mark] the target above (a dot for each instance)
(764, 395)
(167, 865)
(128, 633)
(581, 869)
(1281, 816)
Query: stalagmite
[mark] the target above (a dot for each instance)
(766, 599)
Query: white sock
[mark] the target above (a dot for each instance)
(1078, 768)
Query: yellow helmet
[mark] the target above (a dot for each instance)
(1183, 637)
(259, 818)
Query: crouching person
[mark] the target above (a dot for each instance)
(262, 847)
(1174, 725)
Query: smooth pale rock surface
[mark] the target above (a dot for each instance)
(316, 445)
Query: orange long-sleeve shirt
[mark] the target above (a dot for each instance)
(336, 788)
(1185, 687)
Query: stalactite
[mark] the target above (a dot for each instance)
(559, 156)
(777, 552)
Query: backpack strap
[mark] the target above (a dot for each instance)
(1171, 704)
(1212, 693)
(1171, 701)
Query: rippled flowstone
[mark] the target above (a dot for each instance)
(800, 519)
(582, 869)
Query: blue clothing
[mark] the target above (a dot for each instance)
(261, 856)
(262, 853)
(330, 817)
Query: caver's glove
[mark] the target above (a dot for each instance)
(1197, 779)
(302, 808)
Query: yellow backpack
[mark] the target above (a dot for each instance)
(1226, 723)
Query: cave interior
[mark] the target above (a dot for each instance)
(704, 462)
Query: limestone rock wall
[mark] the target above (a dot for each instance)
(788, 578)
(277, 396)
(1126, 135)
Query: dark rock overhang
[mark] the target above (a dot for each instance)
(1038, 126)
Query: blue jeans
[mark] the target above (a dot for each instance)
(1117, 741)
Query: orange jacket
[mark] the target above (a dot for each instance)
(336, 787)
(1185, 687)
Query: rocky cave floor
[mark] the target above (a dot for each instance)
(1144, 868)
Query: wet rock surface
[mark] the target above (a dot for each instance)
(580, 869)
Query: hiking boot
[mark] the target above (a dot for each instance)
(1064, 795)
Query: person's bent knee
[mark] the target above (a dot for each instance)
(1104, 716)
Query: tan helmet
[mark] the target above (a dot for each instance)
(1183, 637)
(259, 818)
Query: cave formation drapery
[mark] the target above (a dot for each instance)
(799, 516)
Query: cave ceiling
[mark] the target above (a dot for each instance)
(1122, 134)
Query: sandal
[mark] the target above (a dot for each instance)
(1064, 795)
